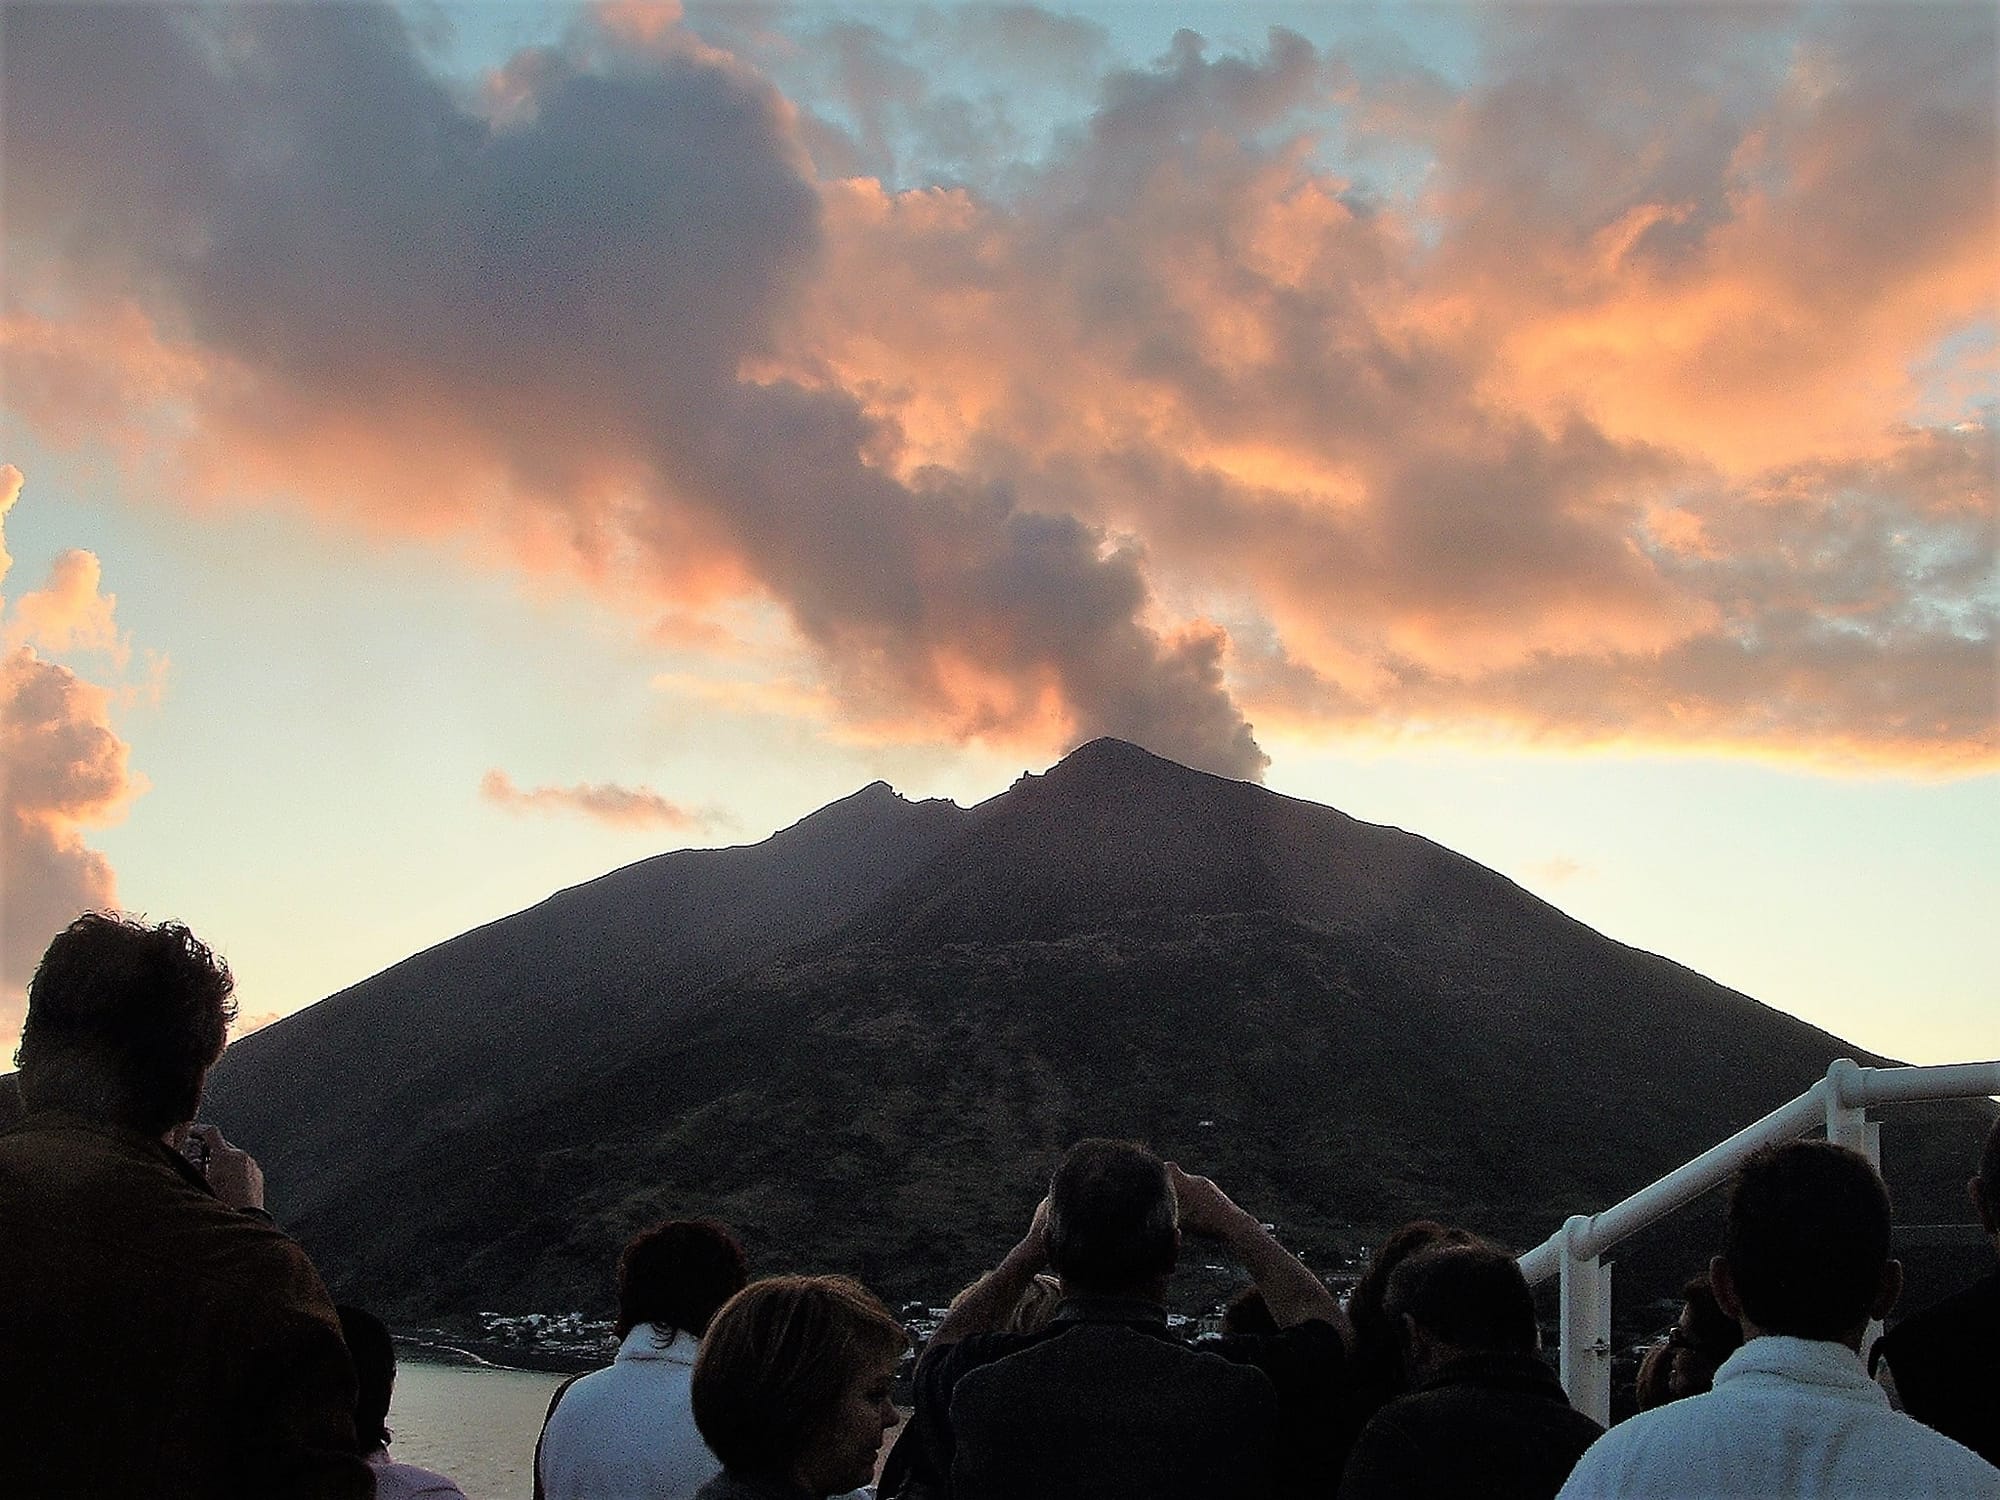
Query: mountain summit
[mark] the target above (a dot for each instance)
(863, 1041)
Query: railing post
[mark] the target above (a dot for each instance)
(1846, 1117)
(1585, 1325)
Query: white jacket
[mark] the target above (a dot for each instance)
(627, 1432)
(1794, 1418)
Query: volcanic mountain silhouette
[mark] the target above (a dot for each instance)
(863, 1041)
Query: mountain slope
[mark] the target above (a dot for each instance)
(1348, 1024)
(469, 1031)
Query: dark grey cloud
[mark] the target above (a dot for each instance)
(573, 280)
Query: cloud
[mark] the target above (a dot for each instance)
(1559, 869)
(437, 320)
(1439, 457)
(63, 768)
(11, 480)
(1590, 397)
(620, 806)
(69, 613)
(66, 770)
(245, 1025)
(13, 1015)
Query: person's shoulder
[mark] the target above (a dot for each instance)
(248, 1248)
(1663, 1428)
(1314, 1335)
(1969, 1313)
(1311, 1347)
(1620, 1460)
(594, 1394)
(1913, 1447)
(400, 1481)
(940, 1368)
(984, 1348)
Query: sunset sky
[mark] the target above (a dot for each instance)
(453, 451)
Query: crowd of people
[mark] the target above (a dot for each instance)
(160, 1336)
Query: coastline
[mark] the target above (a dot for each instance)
(439, 1347)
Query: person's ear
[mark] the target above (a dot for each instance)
(1888, 1289)
(1722, 1281)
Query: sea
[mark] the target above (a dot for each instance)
(477, 1424)
(474, 1423)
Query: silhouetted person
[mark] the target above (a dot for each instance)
(1105, 1401)
(791, 1389)
(1943, 1364)
(1030, 1313)
(629, 1430)
(374, 1355)
(1376, 1372)
(1247, 1313)
(1685, 1362)
(158, 1337)
(1804, 1266)
(1485, 1418)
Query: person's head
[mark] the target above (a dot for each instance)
(1035, 1306)
(1031, 1311)
(793, 1382)
(1248, 1312)
(1684, 1362)
(1985, 1188)
(1650, 1386)
(1451, 1301)
(1113, 1223)
(676, 1274)
(1364, 1304)
(1806, 1248)
(374, 1357)
(1702, 1338)
(124, 1021)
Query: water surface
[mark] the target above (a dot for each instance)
(477, 1425)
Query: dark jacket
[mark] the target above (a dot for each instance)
(154, 1341)
(1489, 1427)
(1946, 1363)
(1105, 1402)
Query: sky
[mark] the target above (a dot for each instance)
(453, 451)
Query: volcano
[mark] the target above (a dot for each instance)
(863, 1041)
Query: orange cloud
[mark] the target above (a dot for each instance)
(245, 1025)
(619, 806)
(1622, 392)
(1559, 869)
(13, 1015)
(69, 613)
(63, 768)
(66, 770)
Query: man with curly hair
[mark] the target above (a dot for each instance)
(158, 1336)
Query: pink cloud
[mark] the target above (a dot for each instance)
(1593, 426)
(63, 767)
(620, 806)
(1559, 869)
(66, 770)
(246, 1025)
(69, 613)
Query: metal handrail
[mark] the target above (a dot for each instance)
(1574, 1252)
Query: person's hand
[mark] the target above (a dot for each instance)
(233, 1174)
(1205, 1208)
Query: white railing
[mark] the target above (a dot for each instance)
(1575, 1253)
